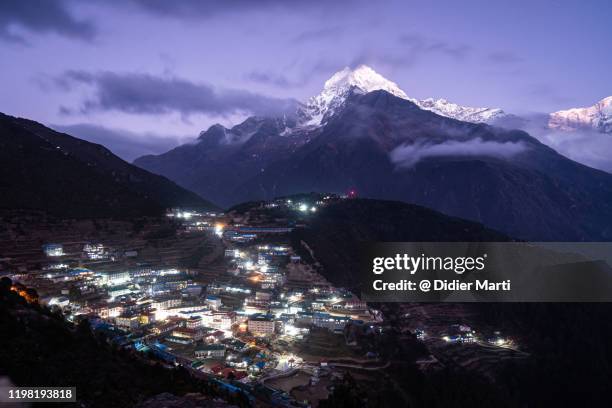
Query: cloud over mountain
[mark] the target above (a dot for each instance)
(408, 155)
(149, 94)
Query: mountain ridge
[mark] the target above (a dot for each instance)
(502, 178)
(66, 176)
(597, 117)
(364, 79)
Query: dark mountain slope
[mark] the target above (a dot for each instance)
(46, 170)
(38, 348)
(223, 159)
(535, 194)
(337, 232)
(565, 367)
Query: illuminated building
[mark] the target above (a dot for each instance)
(213, 301)
(192, 334)
(95, 251)
(164, 328)
(119, 290)
(114, 277)
(210, 351)
(147, 318)
(128, 322)
(332, 323)
(355, 304)
(166, 303)
(219, 320)
(260, 325)
(263, 295)
(180, 340)
(54, 249)
(194, 322)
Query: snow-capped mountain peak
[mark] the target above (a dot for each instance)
(464, 113)
(598, 117)
(364, 79)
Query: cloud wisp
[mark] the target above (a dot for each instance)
(408, 155)
(269, 78)
(319, 34)
(411, 50)
(41, 17)
(504, 57)
(190, 9)
(587, 146)
(418, 44)
(137, 93)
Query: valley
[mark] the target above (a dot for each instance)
(305, 204)
(260, 300)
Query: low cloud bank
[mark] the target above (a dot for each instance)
(137, 93)
(405, 156)
(588, 147)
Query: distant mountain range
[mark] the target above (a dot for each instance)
(597, 117)
(68, 177)
(363, 133)
(364, 79)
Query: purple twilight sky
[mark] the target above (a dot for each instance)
(141, 76)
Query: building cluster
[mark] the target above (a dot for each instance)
(222, 323)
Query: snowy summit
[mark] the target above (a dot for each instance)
(465, 113)
(597, 117)
(364, 79)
